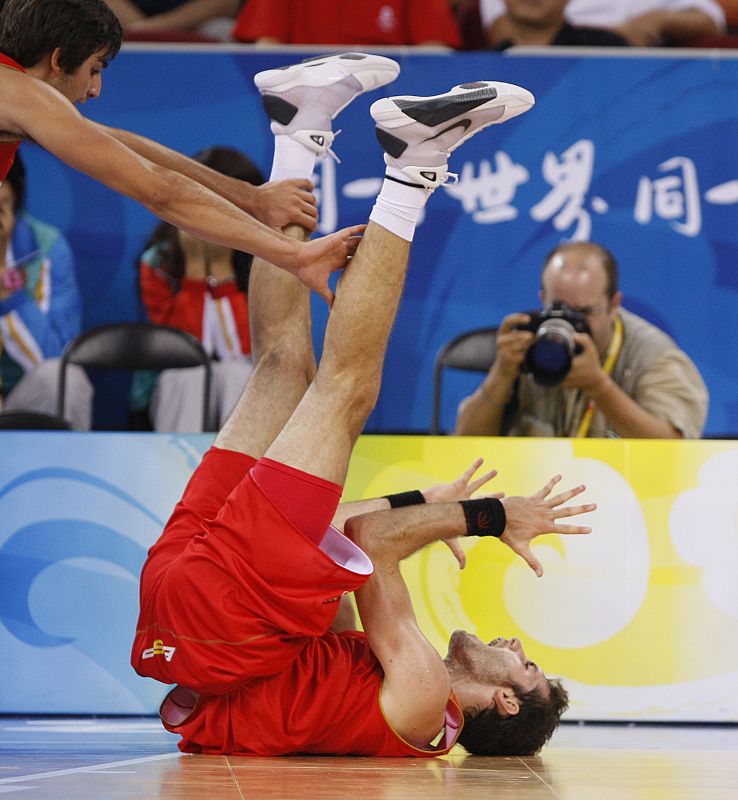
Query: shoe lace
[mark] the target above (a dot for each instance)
(329, 150)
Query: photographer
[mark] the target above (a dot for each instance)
(626, 378)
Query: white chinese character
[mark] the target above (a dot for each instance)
(487, 196)
(675, 198)
(570, 178)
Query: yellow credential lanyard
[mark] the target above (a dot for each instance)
(612, 356)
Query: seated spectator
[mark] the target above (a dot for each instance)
(644, 23)
(40, 311)
(201, 288)
(370, 22)
(145, 19)
(627, 378)
(540, 24)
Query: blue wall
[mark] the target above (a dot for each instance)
(635, 152)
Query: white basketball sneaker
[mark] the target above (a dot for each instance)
(419, 133)
(302, 99)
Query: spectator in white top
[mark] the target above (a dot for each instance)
(644, 23)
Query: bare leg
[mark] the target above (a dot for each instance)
(321, 433)
(284, 361)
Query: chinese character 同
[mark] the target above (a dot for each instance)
(675, 198)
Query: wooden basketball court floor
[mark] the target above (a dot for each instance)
(102, 758)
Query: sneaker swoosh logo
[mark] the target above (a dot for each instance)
(462, 123)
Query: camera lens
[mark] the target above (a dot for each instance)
(549, 357)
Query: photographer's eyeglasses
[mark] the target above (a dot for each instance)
(591, 311)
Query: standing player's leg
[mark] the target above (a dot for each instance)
(418, 135)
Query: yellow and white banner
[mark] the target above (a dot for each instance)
(640, 618)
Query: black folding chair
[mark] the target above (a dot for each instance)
(33, 421)
(473, 351)
(136, 345)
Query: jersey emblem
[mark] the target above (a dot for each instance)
(159, 649)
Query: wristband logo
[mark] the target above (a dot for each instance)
(483, 520)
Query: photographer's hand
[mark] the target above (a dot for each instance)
(512, 345)
(586, 369)
(481, 413)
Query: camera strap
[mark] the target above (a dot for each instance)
(613, 352)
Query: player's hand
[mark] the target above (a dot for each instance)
(282, 203)
(460, 489)
(318, 258)
(529, 517)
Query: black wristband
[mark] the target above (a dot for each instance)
(485, 516)
(413, 498)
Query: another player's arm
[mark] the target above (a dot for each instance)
(42, 114)
(275, 204)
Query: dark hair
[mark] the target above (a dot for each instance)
(17, 180)
(228, 162)
(31, 29)
(609, 263)
(488, 733)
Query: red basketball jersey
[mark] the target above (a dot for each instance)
(8, 149)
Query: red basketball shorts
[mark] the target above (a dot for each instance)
(233, 590)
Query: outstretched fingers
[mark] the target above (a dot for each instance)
(547, 489)
(480, 481)
(469, 472)
(562, 497)
(571, 529)
(572, 511)
(527, 555)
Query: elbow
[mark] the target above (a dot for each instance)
(363, 533)
(355, 529)
(461, 426)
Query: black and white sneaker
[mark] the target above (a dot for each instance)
(302, 99)
(419, 133)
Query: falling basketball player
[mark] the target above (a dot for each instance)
(239, 594)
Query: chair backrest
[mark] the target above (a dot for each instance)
(135, 345)
(473, 351)
(33, 421)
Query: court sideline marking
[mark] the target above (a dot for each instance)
(92, 768)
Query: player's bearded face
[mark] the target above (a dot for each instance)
(501, 662)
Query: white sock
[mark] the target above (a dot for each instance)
(398, 206)
(291, 159)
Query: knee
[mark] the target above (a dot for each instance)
(287, 358)
(353, 391)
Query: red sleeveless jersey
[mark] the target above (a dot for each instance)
(8, 149)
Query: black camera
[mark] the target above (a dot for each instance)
(548, 359)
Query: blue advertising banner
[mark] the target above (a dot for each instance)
(632, 151)
(78, 512)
